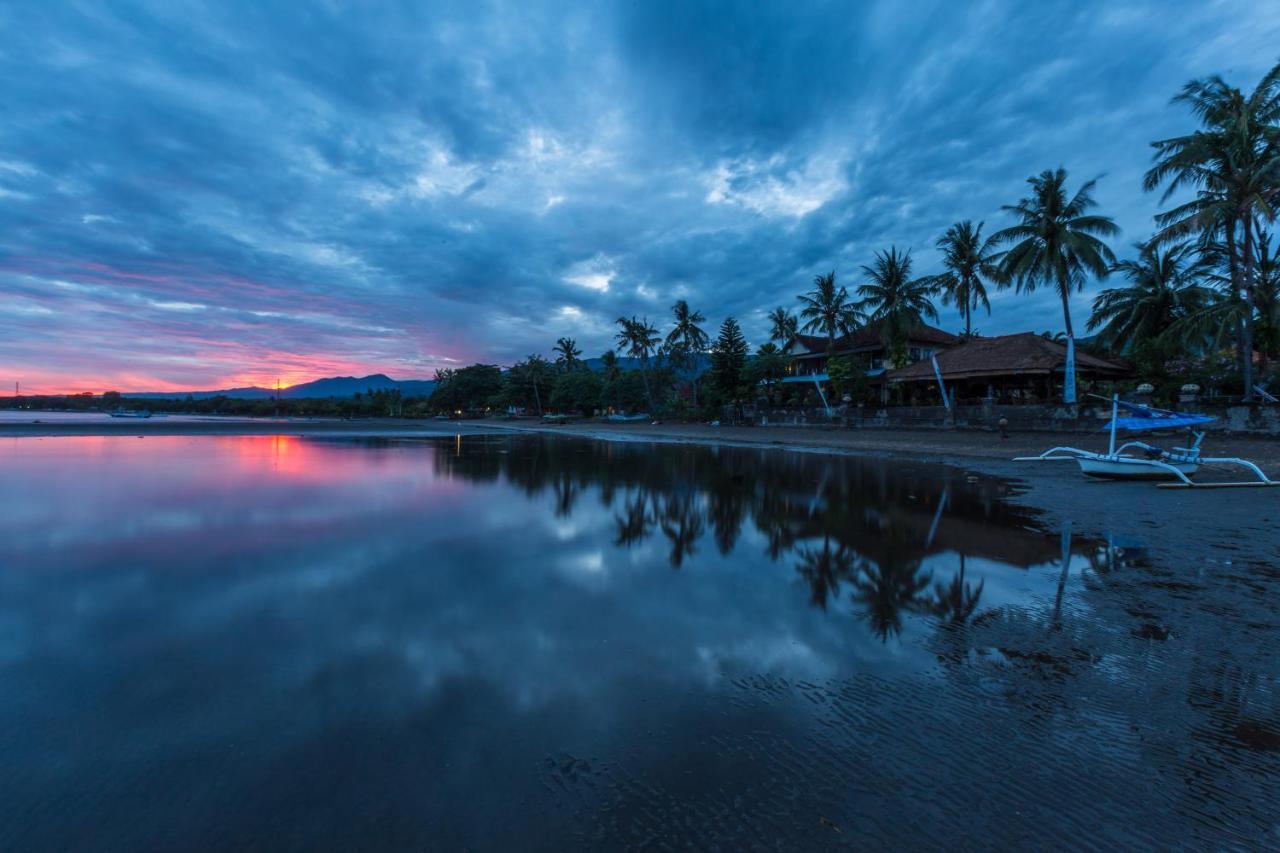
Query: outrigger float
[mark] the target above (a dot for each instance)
(1137, 460)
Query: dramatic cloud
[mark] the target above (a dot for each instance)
(212, 194)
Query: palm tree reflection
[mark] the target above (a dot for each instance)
(635, 522)
(955, 602)
(824, 570)
(886, 589)
(861, 525)
(682, 524)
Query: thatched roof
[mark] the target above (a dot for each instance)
(869, 339)
(1025, 353)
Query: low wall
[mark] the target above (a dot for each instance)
(1088, 418)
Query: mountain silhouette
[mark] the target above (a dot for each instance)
(334, 386)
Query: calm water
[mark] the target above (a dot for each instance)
(27, 416)
(502, 643)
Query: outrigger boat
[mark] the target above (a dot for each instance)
(1137, 460)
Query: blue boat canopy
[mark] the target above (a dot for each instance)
(1138, 418)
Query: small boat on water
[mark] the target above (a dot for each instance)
(1137, 460)
(130, 413)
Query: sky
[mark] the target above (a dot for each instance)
(207, 195)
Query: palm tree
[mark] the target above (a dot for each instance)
(827, 309)
(568, 356)
(536, 368)
(1056, 241)
(895, 300)
(1266, 297)
(1164, 286)
(784, 326)
(1233, 162)
(968, 260)
(609, 365)
(1222, 313)
(639, 338)
(687, 341)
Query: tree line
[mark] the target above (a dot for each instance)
(1200, 299)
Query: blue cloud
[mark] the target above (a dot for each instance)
(243, 190)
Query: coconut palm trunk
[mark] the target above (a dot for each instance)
(1246, 293)
(644, 377)
(1064, 290)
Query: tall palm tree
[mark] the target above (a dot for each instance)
(687, 341)
(1056, 241)
(970, 262)
(895, 300)
(784, 326)
(1164, 286)
(537, 371)
(568, 356)
(828, 309)
(639, 339)
(1233, 162)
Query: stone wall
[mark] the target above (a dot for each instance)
(1087, 418)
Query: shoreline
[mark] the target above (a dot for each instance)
(942, 445)
(1212, 526)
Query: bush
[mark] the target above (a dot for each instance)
(468, 388)
(625, 392)
(577, 391)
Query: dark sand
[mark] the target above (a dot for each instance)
(1207, 526)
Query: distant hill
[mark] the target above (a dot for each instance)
(335, 386)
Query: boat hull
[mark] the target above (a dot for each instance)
(1123, 468)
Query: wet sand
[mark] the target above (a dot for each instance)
(1209, 526)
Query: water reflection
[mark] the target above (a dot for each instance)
(500, 643)
(857, 531)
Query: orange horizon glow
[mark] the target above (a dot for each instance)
(53, 386)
